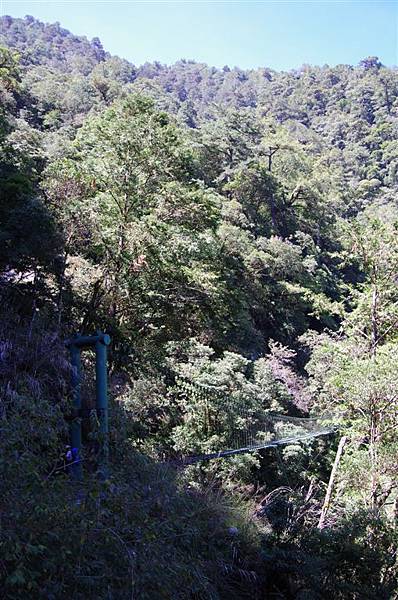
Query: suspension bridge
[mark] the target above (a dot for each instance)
(226, 426)
(220, 422)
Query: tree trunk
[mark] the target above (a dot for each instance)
(375, 329)
(373, 459)
(326, 503)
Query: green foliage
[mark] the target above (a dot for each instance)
(143, 532)
(27, 233)
(133, 210)
(352, 560)
(356, 372)
(235, 232)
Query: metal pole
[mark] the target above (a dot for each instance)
(76, 425)
(102, 401)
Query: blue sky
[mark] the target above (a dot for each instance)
(279, 34)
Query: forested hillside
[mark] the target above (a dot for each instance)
(235, 230)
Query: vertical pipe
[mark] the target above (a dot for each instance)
(76, 425)
(102, 402)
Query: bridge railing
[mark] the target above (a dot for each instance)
(223, 424)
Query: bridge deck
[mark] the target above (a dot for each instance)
(189, 460)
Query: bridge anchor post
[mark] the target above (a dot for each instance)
(76, 344)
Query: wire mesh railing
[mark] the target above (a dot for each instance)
(234, 423)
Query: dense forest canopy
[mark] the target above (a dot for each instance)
(234, 229)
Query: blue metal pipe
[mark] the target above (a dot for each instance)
(100, 341)
(102, 402)
(85, 341)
